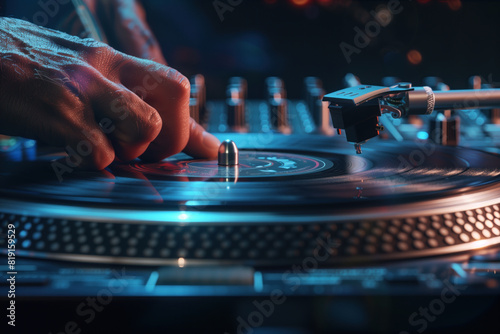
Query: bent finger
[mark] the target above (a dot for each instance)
(201, 144)
(129, 122)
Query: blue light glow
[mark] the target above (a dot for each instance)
(422, 135)
(258, 283)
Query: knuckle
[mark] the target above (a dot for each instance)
(151, 125)
(180, 84)
(141, 121)
(99, 54)
(155, 121)
(66, 85)
(78, 76)
(79, 67)
(177, 84)
(90, 45)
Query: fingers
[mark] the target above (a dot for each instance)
(80, 136)
(129, 122)
(159, 88)
(87, 147)
(93, 118)
(55, 115)
(149, 119)
(167, 91)
(201, 144)
(120, 126)
(95, 107)
(85, 151)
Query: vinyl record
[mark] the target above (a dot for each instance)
(314, 173)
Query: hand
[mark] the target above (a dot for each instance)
(91, 99)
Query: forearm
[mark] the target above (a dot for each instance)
(125, 25)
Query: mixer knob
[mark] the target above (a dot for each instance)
(194, 107)
(351, 80)
(318, 109)
(241, 83)
(313, 92)
(275, 88)
(197, 101)
(279, 114)
(476, 82)
(495, 116)
(275, 82)
(436, 83)
(314, 97)
(278, 105)
(236, 111)
(235, 105)
(445, 130)
(313, 82)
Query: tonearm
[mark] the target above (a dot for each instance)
(357, 109)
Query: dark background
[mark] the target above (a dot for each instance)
(286, 38)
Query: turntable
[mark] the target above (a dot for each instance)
(288, 205)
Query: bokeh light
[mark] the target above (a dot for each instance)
(300, 3)
(414, 57)
(454, 4)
